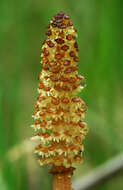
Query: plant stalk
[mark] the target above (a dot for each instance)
(62, 177)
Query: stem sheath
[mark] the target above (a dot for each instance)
(62, 178)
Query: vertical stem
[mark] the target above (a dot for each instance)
(62, 178)
(62, 181)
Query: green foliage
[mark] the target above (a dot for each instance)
(22, 29)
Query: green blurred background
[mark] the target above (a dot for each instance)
(22, 30)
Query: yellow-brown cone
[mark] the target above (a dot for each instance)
(59, 112)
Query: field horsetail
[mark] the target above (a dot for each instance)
(59, 112)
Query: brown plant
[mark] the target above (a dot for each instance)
(59, 111)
